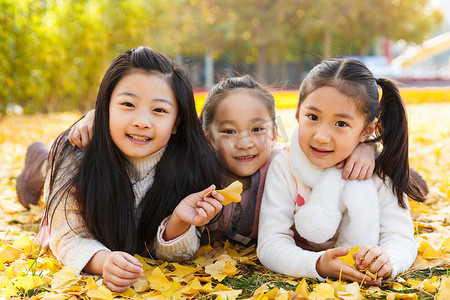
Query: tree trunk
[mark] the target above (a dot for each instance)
(327, 43)
(261, 64)
(209, 69)
(284, 75)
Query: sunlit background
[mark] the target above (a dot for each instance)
(53, 53)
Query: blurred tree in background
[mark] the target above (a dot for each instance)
(53, 53)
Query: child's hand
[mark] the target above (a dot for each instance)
(121, 270)
(81, 133)
(329, 265)
(360, 164)
(195, 209)
(375, 257)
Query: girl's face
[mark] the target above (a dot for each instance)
(242, 132)
(330, 127)
(142, 114)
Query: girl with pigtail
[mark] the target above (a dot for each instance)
(308, 209)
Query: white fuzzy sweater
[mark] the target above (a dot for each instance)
(277, 248)
(74, 245)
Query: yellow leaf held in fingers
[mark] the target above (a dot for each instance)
(232, 193)
(348, 259)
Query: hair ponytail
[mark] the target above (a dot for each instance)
(392, 131)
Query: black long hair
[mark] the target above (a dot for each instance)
(353, 79)
(101, 183)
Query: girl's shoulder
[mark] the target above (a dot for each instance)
(386, 196)
(277, 148)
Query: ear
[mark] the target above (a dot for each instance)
(275, 133)
(175, 126)
(297, 113)
(369, 130)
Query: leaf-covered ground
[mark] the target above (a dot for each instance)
(223, 271)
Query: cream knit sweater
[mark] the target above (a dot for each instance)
(277, 248)
(74, 245)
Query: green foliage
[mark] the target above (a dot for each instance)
(53, 53)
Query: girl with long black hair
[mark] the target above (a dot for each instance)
(140, 185)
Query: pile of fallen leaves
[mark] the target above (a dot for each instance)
(222, 270)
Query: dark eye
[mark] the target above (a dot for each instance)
(128, 104)
(312, 117)
(257, 129)
(229, 131)
(160, 110)
(341, 124)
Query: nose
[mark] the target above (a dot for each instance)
(322, 135)
(142, 120)
(244, 141)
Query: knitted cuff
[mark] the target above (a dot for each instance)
(181, 248)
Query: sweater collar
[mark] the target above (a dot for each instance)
(301, 167)
(142, 166)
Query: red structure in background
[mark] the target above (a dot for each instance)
(388, 50)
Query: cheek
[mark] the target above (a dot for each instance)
(225, 147)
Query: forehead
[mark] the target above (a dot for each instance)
(329, 98)
(142, 83)
(241, 102)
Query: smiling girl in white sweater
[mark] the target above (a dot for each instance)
(307, 208)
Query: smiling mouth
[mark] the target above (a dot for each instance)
(321, 151)
(139, 138)
(244, 157)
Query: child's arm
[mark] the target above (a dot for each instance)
(120, 270)
(195, 209)
(360, 164)
(81, 133)
(74, 246)
(396, 230)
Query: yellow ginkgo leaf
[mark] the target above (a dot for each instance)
(216, 270)
(64, 277)
(29, 282)
(302, 289)
(193, 288)
(348, 259)
(232, 193)
(393, 296)
(9, 291)
(158, 281)
(182, 271)
(5, 255)
(16, 252)
(24, 243)
(446, 245)
(100, 293)
(444, 291)
(430, 253)
(145, 266)
(322, 291)
(227, 295)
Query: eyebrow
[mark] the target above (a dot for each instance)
(253, 120)
(131, 94)
(341, 115)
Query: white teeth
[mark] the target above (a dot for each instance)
(245, 157)
(139, 138)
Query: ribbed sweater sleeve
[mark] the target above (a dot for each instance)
(396, 230)
(181, 248)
